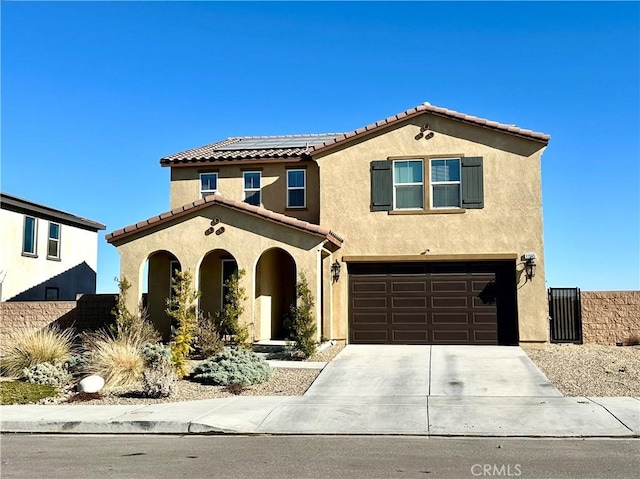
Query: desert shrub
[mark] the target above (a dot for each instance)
(182, 309)
(301, 322)
(233, 366)
(78, 364)
(117, 359)
(155, 353)
(48, 374)
(228, 319)
(30, 347)
(207, 336)
(137, 328)
(160, 380)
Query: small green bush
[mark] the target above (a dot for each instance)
(301, 322)
(48, 374)
(155, 353)
(78, 364)
(30, 347)
(160, 381)
(233, 366)
(18, 392)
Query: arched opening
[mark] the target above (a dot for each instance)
(275, 291)
(160, 267)
(215, 270)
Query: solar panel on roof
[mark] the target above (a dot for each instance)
(301, 141)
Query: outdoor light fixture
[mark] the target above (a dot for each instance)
(335, 271)
(529, 265)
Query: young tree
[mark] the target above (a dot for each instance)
(228, 319)
(302, 323)
(181, 308)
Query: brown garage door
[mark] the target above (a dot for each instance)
(432, 303)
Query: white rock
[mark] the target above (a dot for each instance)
(91, 384)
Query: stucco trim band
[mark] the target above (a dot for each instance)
(428, 258)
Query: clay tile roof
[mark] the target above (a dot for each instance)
(428, 108)
(233, 204)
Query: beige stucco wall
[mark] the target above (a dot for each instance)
(185, 186)
(245, 237)
(509, 223)
(19, 273)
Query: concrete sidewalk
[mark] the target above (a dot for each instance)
(397, 415)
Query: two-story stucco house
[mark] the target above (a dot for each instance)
(45, 253)
(417, 229)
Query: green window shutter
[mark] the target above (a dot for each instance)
(472, 183)
(381, 186)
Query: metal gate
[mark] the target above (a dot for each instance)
(565, 315)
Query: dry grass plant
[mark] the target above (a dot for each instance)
(31, 347)
(117, 359)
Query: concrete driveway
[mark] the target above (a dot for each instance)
(450, 371)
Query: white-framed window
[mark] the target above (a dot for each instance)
(408, 185)
(446, 187)
(208, 184)
(296, 188)
(53, 242)
(29, 236)
(252, 180)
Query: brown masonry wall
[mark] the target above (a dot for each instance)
(610, 317)
(88, 312)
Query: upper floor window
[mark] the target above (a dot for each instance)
(252, 187)
(453, 184)
(445, 183)
(296, 189)
(208, 183)
(408, 184)
(29, 236)
(53, 243)
(51, 293)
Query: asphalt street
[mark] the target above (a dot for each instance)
(300, 457)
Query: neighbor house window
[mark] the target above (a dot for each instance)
(29, 236)
(53, 243)
(296, 189)
(408, 184)
(445, 183)
(51, 294)
(252, 187)
(208, 184)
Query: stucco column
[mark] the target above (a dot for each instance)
(132, 273)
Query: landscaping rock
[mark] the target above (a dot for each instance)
(91, 384)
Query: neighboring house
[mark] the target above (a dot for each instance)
(412, 230)
(45, 254)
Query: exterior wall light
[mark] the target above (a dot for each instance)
(529, 265)
(335, 271)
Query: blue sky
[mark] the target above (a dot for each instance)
(94, 94)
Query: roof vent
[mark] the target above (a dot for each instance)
(426, 103)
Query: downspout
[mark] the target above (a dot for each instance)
(322, 249)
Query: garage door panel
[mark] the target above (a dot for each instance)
(416, 302)
(441, 286)
(450, 318)
(449, 302)
(370, 318)
(409, 286)
(408, 318)
(410, 336)
(369, 287)
(380, 302)
(429, 303)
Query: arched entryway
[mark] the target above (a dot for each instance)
(275, 291)
(160, 267)
(215, 270)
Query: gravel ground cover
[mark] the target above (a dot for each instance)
(589, 369)
(283, 382)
